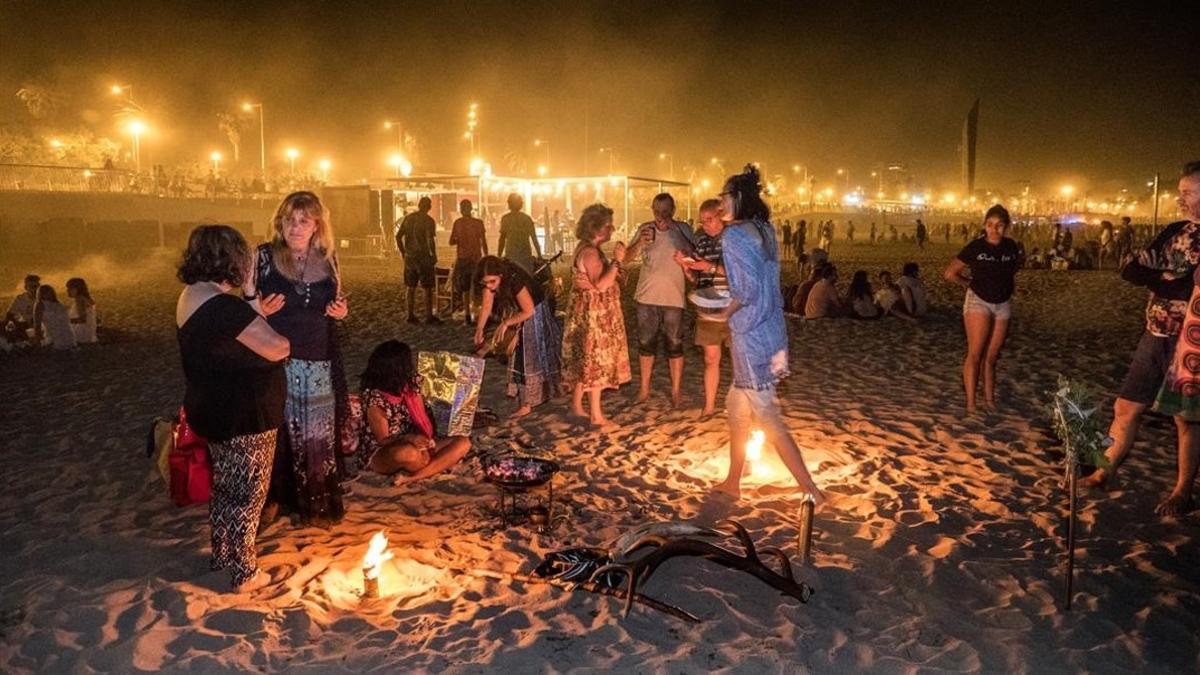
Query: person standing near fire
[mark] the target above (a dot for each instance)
(468, 236)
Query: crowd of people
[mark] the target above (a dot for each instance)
(259, 335)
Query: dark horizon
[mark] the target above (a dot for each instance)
(1094, 97)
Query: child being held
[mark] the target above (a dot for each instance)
(398, 437)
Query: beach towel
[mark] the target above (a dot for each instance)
(1180, 392)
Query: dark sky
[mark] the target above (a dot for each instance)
(1103, 93)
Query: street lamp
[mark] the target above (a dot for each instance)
(388, 124)
(542, 170)
(324, 164)
(719, 164)
(216, 160)
(136, 128)
(292, 154)
(401, 165)
(127, 89)
(670, 162)
(610, 159)
(262, 135)
(537, 142)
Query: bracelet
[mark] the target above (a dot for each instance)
(248, 298)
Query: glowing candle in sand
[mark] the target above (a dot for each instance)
(373, 561)
(754, 448)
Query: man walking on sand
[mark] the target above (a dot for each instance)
(1167, 267)
(468, 236)
(660, 293)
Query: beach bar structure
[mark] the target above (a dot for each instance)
(628, 196)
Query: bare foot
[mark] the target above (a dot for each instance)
(578, 412)
(707, 413)
(601, 423)
(728, 489)
(259, 580)
(642, 396)
(1097, 479)
(521, 412)
(1175, 504)
(676, 400)
(401, 479)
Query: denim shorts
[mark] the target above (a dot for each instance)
(656, 320)
(1001, 311)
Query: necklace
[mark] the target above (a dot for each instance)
(303, 287)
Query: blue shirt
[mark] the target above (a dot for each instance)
(757, 330)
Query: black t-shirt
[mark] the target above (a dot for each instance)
(511, 282)
(992, 268)
(231, 391)
(419, 234)
(302, 318)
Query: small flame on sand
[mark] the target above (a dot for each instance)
(754, 448)
(377, 554)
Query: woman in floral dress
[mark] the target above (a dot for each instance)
(595, 353)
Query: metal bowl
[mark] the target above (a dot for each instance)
(519, 472)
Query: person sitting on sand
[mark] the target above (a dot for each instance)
(399, 437)
(860, 298)
(82, 311)
(52, 320)
(887, 298)
(759, 339)
(1168, 268)
(534, 369)
(912, 290)
(823, 300)
(19, 317)
(797, 301)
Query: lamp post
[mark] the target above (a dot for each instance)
(262, 135)
(127, 89)
(670, 162)
(610, 159)
(292, 154)
(472, 126)
(388, 124)
(216, 160)
(136, 128)
(539, 143)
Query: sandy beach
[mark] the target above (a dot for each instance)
(944, 551)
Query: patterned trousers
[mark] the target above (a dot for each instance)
(241, 470)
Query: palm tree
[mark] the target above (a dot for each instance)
(231, 126)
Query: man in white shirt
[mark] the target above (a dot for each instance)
(660, 293)
(19, 316)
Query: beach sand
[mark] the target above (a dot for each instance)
(944, 552)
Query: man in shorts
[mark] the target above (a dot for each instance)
(660, 293)
(468, 236)
(1166, 267)
(707, 271)
(417, 240)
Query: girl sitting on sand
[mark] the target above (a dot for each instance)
(860, 299)
(82, 311)
(398, 437)
(51, 320)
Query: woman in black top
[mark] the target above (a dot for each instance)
(297, 286)
(232, 361)
(993, 261)
(534, 372)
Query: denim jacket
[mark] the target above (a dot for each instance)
(758, 333)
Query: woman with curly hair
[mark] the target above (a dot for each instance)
(233, 364)
(595, 353)
(297, 286)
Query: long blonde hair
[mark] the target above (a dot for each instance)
(322, 238)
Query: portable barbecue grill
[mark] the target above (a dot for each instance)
(516, 478)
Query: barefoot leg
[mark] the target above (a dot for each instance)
(1180, 499)
(995, 342)
(712, 376)
(1127, 417)
(675, 365)
(766, 409)
(978, 325)
(741, 418)
(646, 367)
(446, 454)
(577, 401)
(597, 416)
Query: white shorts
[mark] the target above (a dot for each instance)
(1001, 311)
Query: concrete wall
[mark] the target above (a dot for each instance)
(62, 225)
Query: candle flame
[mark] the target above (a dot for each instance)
(377, 554)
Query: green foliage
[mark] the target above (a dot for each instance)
(1074, 416)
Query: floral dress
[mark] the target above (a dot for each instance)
(400, 421)
(595, 352)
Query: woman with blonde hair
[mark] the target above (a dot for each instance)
(296, 285)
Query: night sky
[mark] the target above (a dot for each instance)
(1100, 97)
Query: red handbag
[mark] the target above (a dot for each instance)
(191, 475)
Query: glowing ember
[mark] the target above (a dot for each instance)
(377, 554)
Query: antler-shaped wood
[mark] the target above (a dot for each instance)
(638, 570)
